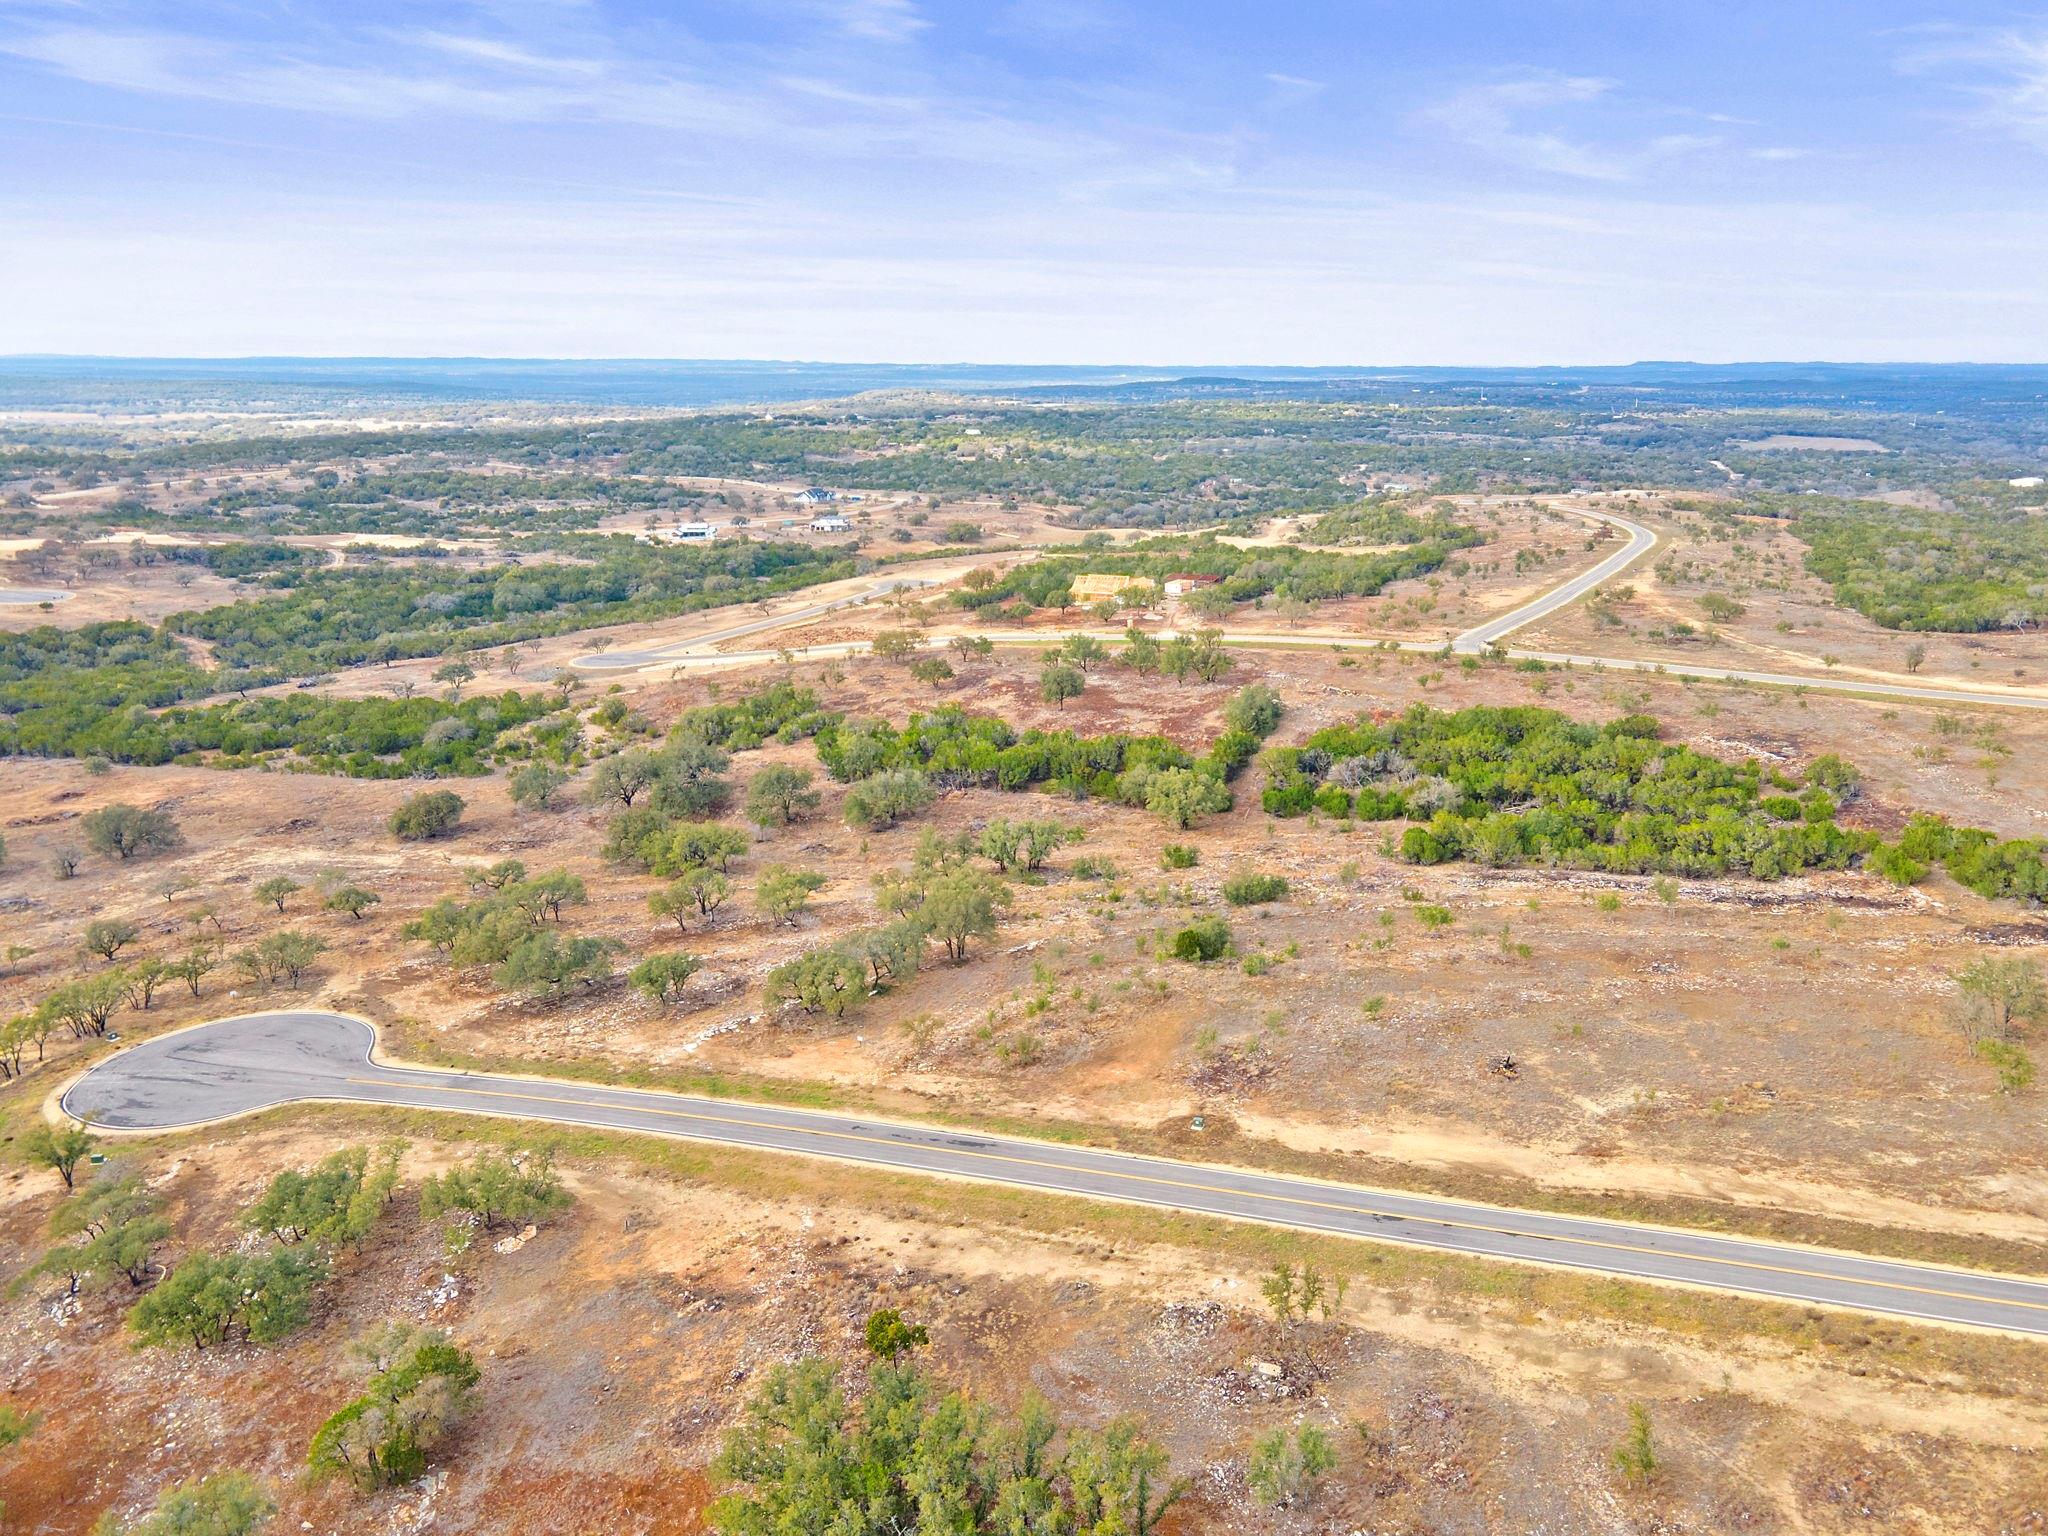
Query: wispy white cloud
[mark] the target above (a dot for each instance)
(2003, 71)
(1508, 120)
(881, 21)
(499, 53)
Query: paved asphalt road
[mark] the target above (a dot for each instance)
(628, 661)
(1640, 542)
(267, 1059)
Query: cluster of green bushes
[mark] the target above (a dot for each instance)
(97, 690)
(955, 748)
(910, 1454)
(1377, 521)
(113, 1228)
(508, 927)
(360, 738)
(780, 712)
(1917, 569)
(1506, 786)
(939, 899)
(433, 502)
(328, 618)
(1989, 865)
(1245, 574)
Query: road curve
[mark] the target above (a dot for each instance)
(258, 1061)
(1641, 541)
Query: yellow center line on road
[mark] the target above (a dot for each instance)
(1224, 1189)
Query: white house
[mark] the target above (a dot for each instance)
(816, 496)
(831, 522)
(693, 533)
(2025, 482)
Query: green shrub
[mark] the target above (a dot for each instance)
(1201, 941)
(1251, 888)
(433, 813)
(337, 1203)
(2015, 1068)
(211, 1297)
(883, 799)
(382, 1438)
(225, 1504)
(499, 1189)
(1178, 856)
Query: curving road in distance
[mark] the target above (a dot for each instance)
(258, 1061)
(700, 650)
(1641, 541)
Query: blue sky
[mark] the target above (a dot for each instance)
(1066, 181)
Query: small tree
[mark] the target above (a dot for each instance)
(1181, 795)
(58, 1147)
(663, 977)
(883, 799)
(143, 978)
(113, 1228)
(1083, 651)
(86, 1005)
(1058, 682)
(106, 937)
(276, 889)
(1635, 1458)
(65, 862)
(961, 906)
(889, 1336)
(195, 964)
(1282, 1289)
(779, 795)
(225, 1504)
(931, 670)
(1284, 1469)
(382, 1438)
(498, 1189)
(210, 1298)
(352, 899)
(1998, 993)
(497, 876)
(128, 830)
(831, 981)
(453, 674)
(705, 887)
(1255, 710)
(546, 965)
(619, 780)
(894, 644)
(781, 892)
(287, 955)
(534, 786)
(431, 814)
(336, 1204)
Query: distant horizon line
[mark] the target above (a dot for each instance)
(1176, 370)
